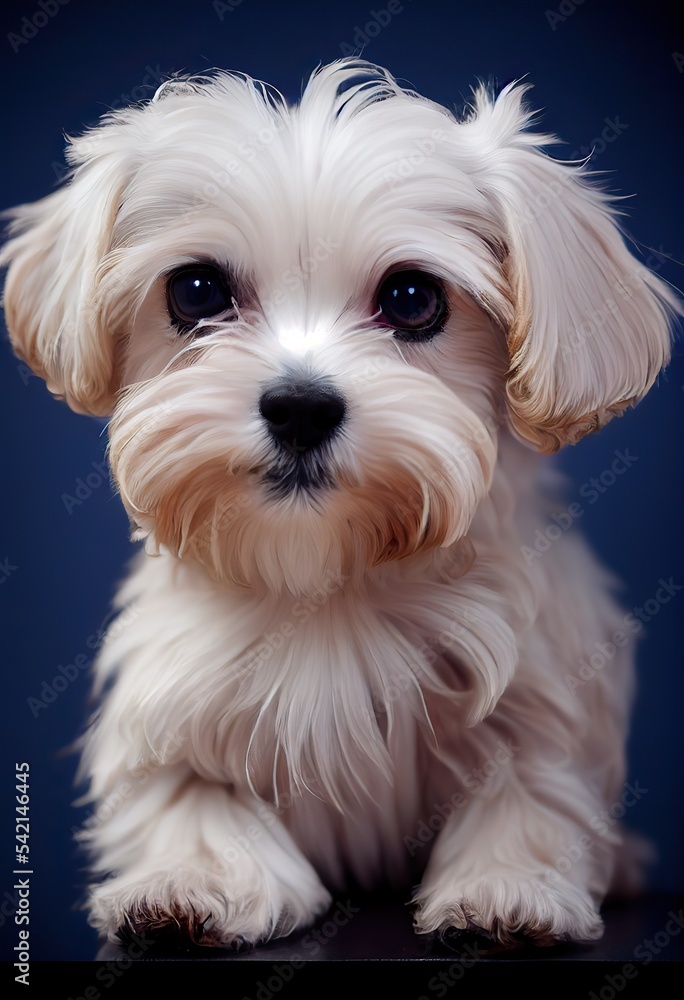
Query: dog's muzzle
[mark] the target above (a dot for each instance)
(302, 416)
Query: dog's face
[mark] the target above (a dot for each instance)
(310, 325)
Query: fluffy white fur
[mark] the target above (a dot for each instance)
(303, 679)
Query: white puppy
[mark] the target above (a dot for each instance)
(332, 339)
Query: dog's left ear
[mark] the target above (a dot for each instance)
(52, 309)
(591, 326)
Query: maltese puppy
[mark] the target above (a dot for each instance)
(332, 341)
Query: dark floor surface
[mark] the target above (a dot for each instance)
(380, 927)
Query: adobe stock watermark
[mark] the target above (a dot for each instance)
(372, 369)
(31, 25)
(111, 972)
(246, 153)
(593, 324)
(294, 277)
(474, 781)
(6, 569)
(377, 21)
(560, 15)
(429, 653)
(126, 789)
(590, 490)
(613, 128)
(407, 166)
(67, 674)
(644, 954)
(601, 823)
(99, 472)
(311, 944)
(634, 620)
(548, 193)
(221, 9)
(85, 486)
(154, 76)
(25, 373)
(300, 613)
(239, 844)
(442, 983)
(225, 519)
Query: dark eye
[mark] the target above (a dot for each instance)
(196, 292)
(414, 303)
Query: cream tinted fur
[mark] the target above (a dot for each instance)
(325, 668)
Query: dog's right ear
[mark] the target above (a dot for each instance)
(56, 246)
(592, 326)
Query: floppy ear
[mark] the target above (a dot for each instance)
(591, 326)
(51, 291)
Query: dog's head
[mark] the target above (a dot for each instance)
(311, 324)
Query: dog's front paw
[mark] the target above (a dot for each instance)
(190, 906)
(509, 910)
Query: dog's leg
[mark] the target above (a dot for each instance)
(497, 869)
(195, 860)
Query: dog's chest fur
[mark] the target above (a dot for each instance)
(351, 710)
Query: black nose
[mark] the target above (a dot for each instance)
(300, 414)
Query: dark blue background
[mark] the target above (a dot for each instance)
(604, 61)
